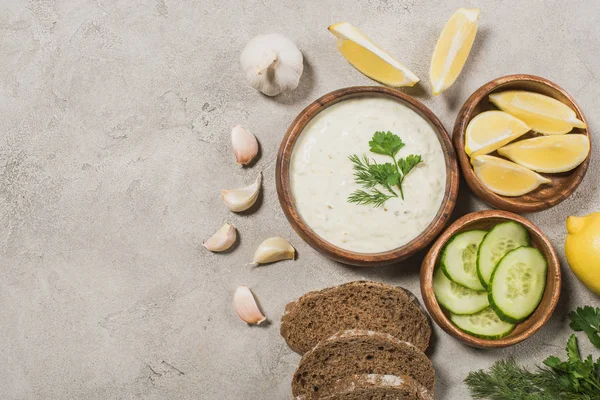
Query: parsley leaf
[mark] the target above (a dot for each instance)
(553, 362)
(408, 163)
(573, 349)
(385, 174)
(587, 319)
(393, 178)
(386, 143)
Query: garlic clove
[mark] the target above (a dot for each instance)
(222, 240)
(272, 250)
(238, 200)
(272, 63)
(244, 144)
(245, 306)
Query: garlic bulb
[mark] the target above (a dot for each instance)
(222, 240)
(272, 63)
(272, 250)
(244, 145)
(238, 200)
(245, 306)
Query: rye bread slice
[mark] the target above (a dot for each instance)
(374, 387)
(355, 305)
(356, 352)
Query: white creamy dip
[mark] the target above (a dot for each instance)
(322, 177)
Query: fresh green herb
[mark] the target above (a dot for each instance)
(386, 143)
(369, 173)
(373, 197)
(587, 319)
(406, 165)
(573, 379)
(506, 380)
(576, 375)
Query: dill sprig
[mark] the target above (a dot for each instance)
(369, 174)
(373, 197)
(505, 380)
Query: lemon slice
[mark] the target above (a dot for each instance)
(491, 130)
(504, 177)
(559, 153)
(452, 49)
(369, 59)
(542, 113)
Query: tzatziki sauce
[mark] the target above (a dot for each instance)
(322, 177)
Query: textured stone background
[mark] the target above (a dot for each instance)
(114, 145)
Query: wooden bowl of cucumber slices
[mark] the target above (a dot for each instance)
(491, 280)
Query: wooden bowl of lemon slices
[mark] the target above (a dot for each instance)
(523, 144)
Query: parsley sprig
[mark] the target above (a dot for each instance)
(369, 174)
(576, 375)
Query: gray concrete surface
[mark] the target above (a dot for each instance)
(114, 145)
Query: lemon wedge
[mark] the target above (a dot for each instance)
(369, 59)
(551, 154)
(504, 177)
(491, 130)
(542, 113)
(452, 49)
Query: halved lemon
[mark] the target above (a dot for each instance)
(558, 153)
(491, 130)
(542, 113)
(452, 49)
(369, 59)
(504, 177)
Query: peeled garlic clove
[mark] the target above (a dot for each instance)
(238, 200)
(272, 63)
(245, 306)
(272, 250)
(222, 240)
(244, 144)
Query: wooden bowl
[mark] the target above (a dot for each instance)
(336, 253)
(545, 196)
(486, 220)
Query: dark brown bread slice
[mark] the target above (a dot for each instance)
(355, 352)
(373, 387)
(355, 305)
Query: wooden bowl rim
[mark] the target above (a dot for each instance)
(336, 253)
(513, 204)
(435, 310)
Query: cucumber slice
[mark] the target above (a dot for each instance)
(459, 259)
(456, 298)
(485, 324)
(518, 283)
(500, 240)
